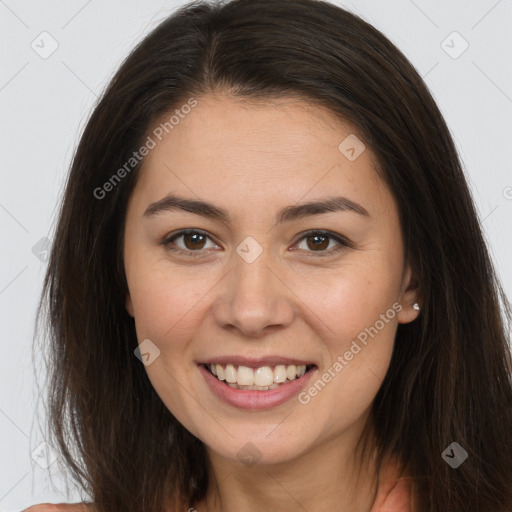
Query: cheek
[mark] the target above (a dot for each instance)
(165, 302)
(365, 331)
(361, 313)
(165, 299)
(356, 361)
(354, 300)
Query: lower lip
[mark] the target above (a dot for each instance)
(255, 400)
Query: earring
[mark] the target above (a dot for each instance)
(416, 306)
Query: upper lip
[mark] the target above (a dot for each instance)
(255, 362)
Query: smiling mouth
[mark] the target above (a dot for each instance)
(263, 378)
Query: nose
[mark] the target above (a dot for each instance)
(253, 298)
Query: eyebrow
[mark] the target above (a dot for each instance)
(172, 202)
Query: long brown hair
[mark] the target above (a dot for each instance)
(450, 375)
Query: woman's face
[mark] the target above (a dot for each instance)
(249, 288)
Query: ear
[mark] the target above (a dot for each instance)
(410, 294)
(129, 304)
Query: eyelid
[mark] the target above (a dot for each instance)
(343, 242)
(167, 240)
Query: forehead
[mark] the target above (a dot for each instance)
(280, 147)
(275, 126)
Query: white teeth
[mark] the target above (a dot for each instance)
(230, 373)
(291, 371)
(261, 379)
(264, 376)
(280, 373)
(245, 376)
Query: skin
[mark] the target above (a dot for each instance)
(252, 159)
(61, 507)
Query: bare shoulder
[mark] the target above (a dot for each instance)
(61, 507)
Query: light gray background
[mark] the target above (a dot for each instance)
(44, 104)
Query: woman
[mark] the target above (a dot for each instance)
(269, 288)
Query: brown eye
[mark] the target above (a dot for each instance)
(319, 242)
(193, 241)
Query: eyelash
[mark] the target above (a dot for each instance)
(343, 242)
